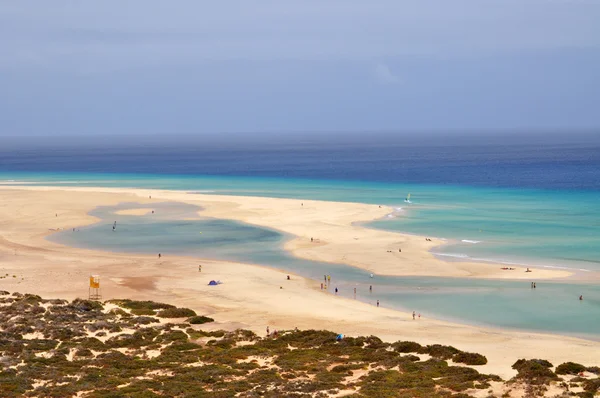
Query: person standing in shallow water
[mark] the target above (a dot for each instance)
(377, 303)
(336, 290)
(413, 315)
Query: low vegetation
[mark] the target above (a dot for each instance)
(570, 368)
(55, 348)
(199, 320)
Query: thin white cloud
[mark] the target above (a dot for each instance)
(383, 74)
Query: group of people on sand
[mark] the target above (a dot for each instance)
(507, 268)
(327, 279)
(428, 240)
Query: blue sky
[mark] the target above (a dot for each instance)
(155, 67)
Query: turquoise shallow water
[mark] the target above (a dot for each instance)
(551, 307)
(541, 227)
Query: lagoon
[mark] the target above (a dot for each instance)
(177, 229)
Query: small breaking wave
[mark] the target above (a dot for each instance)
(471, 241)
(567, 268)
(504, 262)
(452, 255)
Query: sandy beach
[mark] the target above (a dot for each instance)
(253, 296)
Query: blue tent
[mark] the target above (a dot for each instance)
(212, 283)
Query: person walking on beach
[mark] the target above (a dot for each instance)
(321, 286)
(199, 268)
(336, 290)
(329, 279)
(377, 303)
(413, 315)
(159, 255)
(268, 332)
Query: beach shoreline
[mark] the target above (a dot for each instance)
(326, 220)
(252, 296)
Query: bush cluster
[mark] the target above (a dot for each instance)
(569, 368)
(158, 360)
(199, 320)
(176, 313)
(534, 371)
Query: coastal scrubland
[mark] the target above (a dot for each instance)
(60, 348)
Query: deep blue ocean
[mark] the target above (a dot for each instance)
(551, 161)
(513, 198)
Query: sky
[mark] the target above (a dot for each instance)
(138, 67)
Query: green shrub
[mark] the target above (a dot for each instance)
(84, 352)
(439, 351)
(469, 358)
(406, 346)
(591, 386)
(86, 305)
(142, 320)
(534, 371)
(569, 368)
(138, 305)
(594, 369)
(176, 313)
(143, 311)
(199, 319)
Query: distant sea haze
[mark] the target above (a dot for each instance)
(541, 160)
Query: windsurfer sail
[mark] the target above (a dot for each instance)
(407, 200)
